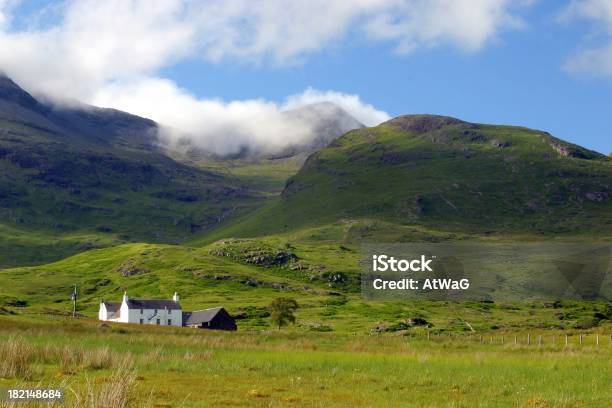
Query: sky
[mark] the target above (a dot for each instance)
(208, 69)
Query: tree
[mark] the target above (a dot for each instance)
(281, 311)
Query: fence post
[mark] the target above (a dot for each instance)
(580, 337)
(566, 340)
(515, 339)
(528, 338)
(539, 340)
(427, 334)
(597, 339)
(502, 340)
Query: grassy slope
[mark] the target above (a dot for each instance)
(51, 191)
(224, 274)
(193, 368)
(445, 181)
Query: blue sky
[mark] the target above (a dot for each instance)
(540, 64)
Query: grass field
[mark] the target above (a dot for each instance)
(168, 367)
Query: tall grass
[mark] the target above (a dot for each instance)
(15, 359)
(117, 392)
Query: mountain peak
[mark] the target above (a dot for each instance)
(328, 122)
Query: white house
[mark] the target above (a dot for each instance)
(141, 311)
(164, 312)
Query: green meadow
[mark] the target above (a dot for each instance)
(109, 365)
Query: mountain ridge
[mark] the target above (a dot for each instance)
(85, 171)
(447, 174)
(79, 171)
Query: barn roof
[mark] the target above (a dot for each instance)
(200, 316)
(153, 304)
(112, 306)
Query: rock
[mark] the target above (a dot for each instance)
(597, 196)
(16, 303)
(250, 282)
(128, 268)
(567, 150)
(500, 144)
(417, 321)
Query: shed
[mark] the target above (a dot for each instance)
(216, 318)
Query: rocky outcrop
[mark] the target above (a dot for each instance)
(426, 123)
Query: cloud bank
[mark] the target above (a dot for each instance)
(110, 53)
(228, 127)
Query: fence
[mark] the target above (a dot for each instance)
(568, 339)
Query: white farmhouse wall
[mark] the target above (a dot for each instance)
(147, 316)
(124, 313)
(102, 314)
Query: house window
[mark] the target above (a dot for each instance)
(169, 322)
(157, 321)
(140, 321)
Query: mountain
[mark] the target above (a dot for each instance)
(77, 123)
(448, 175)
(74, 177)
(99, 176)
(328, 121)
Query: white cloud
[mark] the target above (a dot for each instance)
(595, 60)
(5, 8)
(111, 52)
(97, 42)
(92, 42)
(227, 127)
(468, 25)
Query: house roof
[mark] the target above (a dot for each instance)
(200, 316)
(112, 306)
(153, 304)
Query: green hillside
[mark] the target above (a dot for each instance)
(74, 178)
(446, 175)
(244, 276)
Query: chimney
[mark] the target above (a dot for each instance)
(125, 296)
(175, 297)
